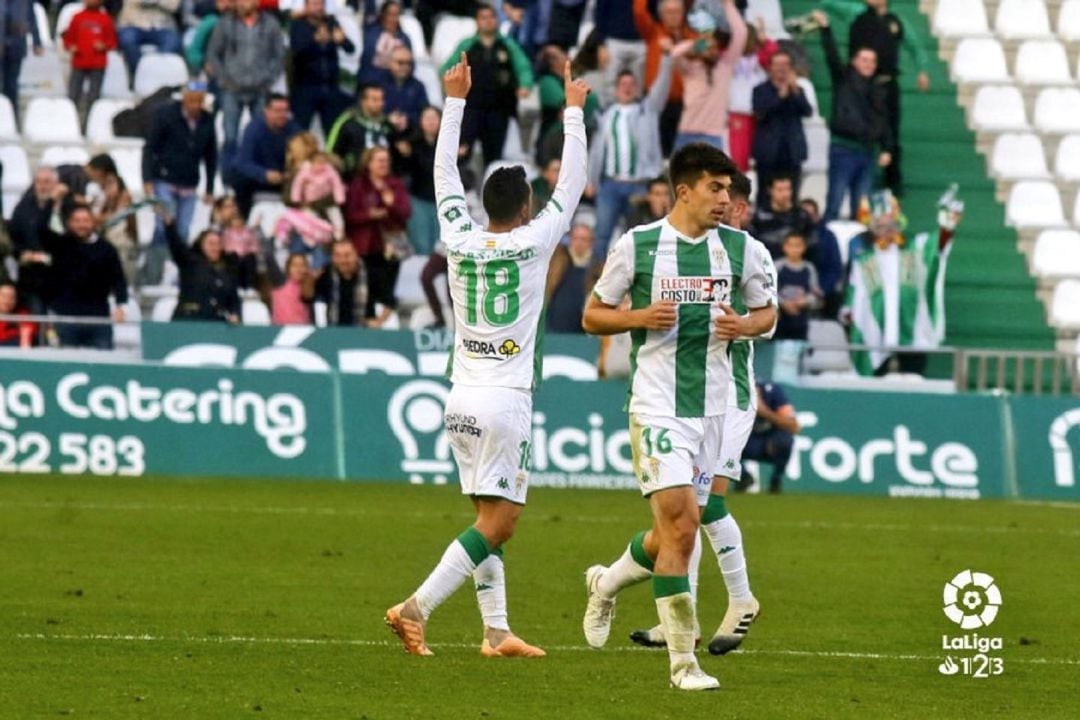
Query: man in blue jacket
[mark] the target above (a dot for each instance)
(16, 20)
(260, 161)
(779, 141)
(314, 40)
(405, 96)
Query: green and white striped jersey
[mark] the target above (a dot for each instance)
(497, 279)
(685, 371)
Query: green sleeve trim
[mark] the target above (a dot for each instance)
(475, 544)
(448, 198)
(555, 202)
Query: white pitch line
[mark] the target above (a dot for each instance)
(248, 640)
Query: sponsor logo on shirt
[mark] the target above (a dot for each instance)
(687, 290)
(485, 350)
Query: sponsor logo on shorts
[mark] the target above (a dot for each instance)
(459, 424)
(503, 484)
(484, 350)
(693, 290)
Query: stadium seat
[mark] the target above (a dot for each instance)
(846, 231)
(427, 74)
(51, 121)
(979, 60)
(817, 143)
(158, 70)
(9, 129)
(1057, 110)
(1068, 22)
(1067, 159)
(811, 96)
(265, 214)
(769, 14)
(350, 62)
(1034, 204)
(63, 20)
(16, 169)
(99, 125)
(813, 186)
(1022, 19)
(41, 18)
(960, 18)
(1065, 306)
(824, 353)
(449, 31)
(409, 292)
(42, 75)
(128, 335)
(998, 108)
(163, 309)
(129, 164)
(117, 82)
(1042, 62)
(412, 29)
(1056, 254)
(55, 155)
(255, 312)
(1018, 156)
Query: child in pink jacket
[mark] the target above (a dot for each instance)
(318, 188)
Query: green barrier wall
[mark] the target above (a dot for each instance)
(140, 419)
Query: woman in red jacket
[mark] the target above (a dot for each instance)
(376, 210)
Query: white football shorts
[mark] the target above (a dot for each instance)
(490, 433)
(669, 451)
(738, 424)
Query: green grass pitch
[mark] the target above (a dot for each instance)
(229, 599)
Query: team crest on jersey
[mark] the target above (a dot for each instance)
(718, 255)
(691, 290)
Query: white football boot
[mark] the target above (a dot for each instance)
(736, 623)
(599, 611)
(689, 676)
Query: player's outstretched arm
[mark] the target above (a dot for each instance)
(449, 192)
(601, 318)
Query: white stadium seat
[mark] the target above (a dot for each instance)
(409, 292)
(1067, 159)
(1018, 156)
(1034, 204)
(9, 129)
(16, 169)
(1065, 307)
(846, 231)
(1068, 22)
(1076, 211)
(129, 164)
(1057, 254)
(163, 309)
(63, 20)
(826, 343)
(51, 121)
(811, 95)
(960, 18)
(429, 76)
(1057, 110)
(99, 124)
(1042, 62)
(265, 214)
(1022, 19)
(998, 108)
(41, 18)
(769, 14)
(413, 30)
(42, 75)
(117, 82)
(55, 155)
(979, 60)
(817, 143)
(255, 312)
(158, 70)
(350, 62)
(449, 31)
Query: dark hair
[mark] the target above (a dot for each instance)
(275, 97)
(588, 55)
(75, 207)
(692, 161)
(362, 90)
(197, 245)
(103, 163)
(795, 234)
(778, 53)
(781, 177)
(740, 187)
(385, 6)
(506, 192)
(481, 7)
(8, 283)
(660, 180)
(623, 73)
(812, 202)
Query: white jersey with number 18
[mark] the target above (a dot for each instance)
(497, 279)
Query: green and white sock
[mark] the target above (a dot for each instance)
(458, 562)
(695, 566)
(490, 579)
(726, 540)
(675, 607)
(632, 567)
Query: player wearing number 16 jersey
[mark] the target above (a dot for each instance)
(497, 278)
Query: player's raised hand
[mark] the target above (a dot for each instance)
(729, 325)
(660, 315)
(458, 80)
(576, 90)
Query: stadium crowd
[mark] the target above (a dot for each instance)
(348, 160)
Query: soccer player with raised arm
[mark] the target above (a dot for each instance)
(497, 278)
(684, 274)
(719, 525)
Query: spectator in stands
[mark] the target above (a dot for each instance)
(14, 333)
(659, 37)
(317, 188)
(501, 73)
(884, 30)
(797, 289)
(428, 10)
(287, 303)
(616, 29)
(260, 161)
(544, 184)
(381, 38)
(779, 141)
(147, 22)
(590, 64)
(749, 73)
(32, 213)
(245, 58)
(89, 38)
(707, 68)
(654, 205)
(114, 216)
(860, 134)
(824, 253)
(237, 238)
(564, 22)
(182, 137)
(435, 267)
(418, 156)
(86, 271)
(209, 277)
(549, 83)
(341, 293)
(200, 41)
(777, 215)
(773, 437)
(377, 208)
(405, 96)
(16, 22)
(360, 128)
(314, 41)
(570, 278)
(626, 151)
